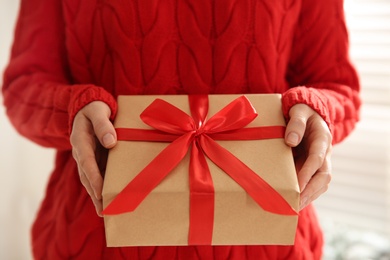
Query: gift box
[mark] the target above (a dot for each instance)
(200, 170)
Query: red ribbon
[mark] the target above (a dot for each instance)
(184, 132)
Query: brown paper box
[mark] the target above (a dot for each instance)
(163, 217)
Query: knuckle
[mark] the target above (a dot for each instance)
(328, 177)
(298, 121)
(326, 187)
(328, 180)
(101, 126)
(321, 157)
(318, 158)
(85, 162)
(328, 137)
(98, 123)
(83, 179)
(74, 154)
(72, 138)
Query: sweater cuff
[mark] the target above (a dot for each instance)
(82, 95)
(309, 96)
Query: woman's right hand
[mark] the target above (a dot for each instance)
(92, 135)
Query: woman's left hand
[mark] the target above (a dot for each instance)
(308, 132)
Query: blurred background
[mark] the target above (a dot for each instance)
(24, 166)
(355, 212)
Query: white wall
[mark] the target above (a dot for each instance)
(359, 195)
(24, 166)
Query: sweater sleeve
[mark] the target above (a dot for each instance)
(320, 68)
(38, 95)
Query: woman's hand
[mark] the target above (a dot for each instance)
(92, 134)
(309, 133)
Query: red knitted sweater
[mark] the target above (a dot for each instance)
(69, 53)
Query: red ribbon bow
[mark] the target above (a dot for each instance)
(184, 132)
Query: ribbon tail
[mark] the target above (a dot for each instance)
(201, 199)
(262, 193)
(136, 191)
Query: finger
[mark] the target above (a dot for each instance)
(318, 139)
(318, 183)
(315, 188)
(99, 114)
(296, 127)
(97, 202)
(305, 201)
(84, 146)
(90, 178)
(316, 157)
(91, 171)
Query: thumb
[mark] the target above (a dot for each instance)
(296, 127)
(99, 113)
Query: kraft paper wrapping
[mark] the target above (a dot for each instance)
(163, 217)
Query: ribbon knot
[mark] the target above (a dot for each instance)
(198, 135)
(199, 132)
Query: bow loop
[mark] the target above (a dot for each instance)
(166, 117)
(236, 115)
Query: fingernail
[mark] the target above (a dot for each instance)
(108, 140)
(292, 138)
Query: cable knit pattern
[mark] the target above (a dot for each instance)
(69, 53)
